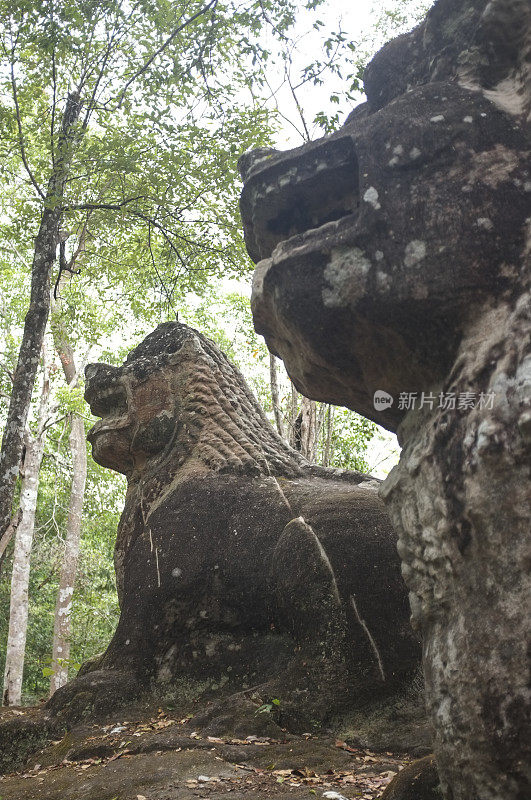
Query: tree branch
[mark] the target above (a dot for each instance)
(159, 276)
(9, 532)
(104, 206)
(54, 96)
(163, 47)
(20, 134)
(307, 136)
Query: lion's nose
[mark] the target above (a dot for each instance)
(91, 370)
(100, 373)
(103, 387)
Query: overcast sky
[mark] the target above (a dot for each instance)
(356, 19)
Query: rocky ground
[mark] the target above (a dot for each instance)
(161, 757)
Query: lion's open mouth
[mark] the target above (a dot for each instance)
(285, 196)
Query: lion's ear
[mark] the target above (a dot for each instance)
(152, 437)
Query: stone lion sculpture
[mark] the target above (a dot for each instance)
(393, 277)
(240, 566)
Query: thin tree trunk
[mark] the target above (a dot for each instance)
(308, 427)
(327, 451)
(18, 609)
(293, 416)
(28, 360)
(63, 607)
(36, 318)
(320, 423)
(18, 613)
(61, 633)
(273, 376)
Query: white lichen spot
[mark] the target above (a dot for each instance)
(398, 150)
(414, 153)
(468, 119)
(210, 648)
(176, 572)
(393, 161)
(65, 594)
(485, 223)
(415, 252)
(527, 186)
(437, 118)
(371, 197)
(483, 114)
(288, 177)
(346, 274)
(383, 281)
(379, 255)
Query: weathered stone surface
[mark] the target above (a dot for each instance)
(418, 781)
(241, 568)
(22, 732)
(394, 255)
(156, 757)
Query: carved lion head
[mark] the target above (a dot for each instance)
(177, 399)
(375, 245)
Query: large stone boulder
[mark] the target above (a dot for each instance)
(242, 569)
(393, 277)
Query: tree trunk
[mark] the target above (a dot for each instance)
(28, 361)
(274, 394)
(18, 614)
(327, 450)
(8, 535)
(36, 318)
(61, 633)
(308, 428)
(293, 416)
(18, 609)
(319, 425)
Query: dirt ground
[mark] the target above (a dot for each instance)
(164, 758)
